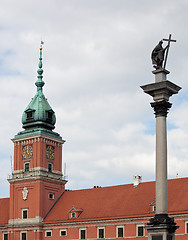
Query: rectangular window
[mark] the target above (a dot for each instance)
(23, 236)
(24, 213)
(158, 237)
(140, 231)
(50, 114)
(49, 167)
(63, 232)
(26, 167)
(120, 232)
(186, 227)
(29, 115)
(100, 232)
(5, 236)
(73, 215)
(82, 233)
(51, 195)
(48, 233)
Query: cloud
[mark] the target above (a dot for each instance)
(96, 55)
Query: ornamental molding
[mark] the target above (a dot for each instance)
(161, 108)
(38, 138)
(25, 222)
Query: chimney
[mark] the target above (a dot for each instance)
(136, 180)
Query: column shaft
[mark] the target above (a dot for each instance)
(161, 165)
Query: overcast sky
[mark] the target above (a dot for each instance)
(96, 56)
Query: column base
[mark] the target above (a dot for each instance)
(161, 227)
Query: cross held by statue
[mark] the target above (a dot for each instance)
(168, 46)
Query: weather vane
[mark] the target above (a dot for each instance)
(158, 54)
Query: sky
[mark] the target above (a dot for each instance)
(96, 55)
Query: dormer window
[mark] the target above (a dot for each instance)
(29, 114)
(49, 115)
(74, 213)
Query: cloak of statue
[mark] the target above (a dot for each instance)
(157, 55)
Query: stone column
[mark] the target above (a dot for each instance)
(161, 227)
(160, 109)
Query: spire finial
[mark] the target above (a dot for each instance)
(41, 43)
(40, 83)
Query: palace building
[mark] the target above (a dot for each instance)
(40, 207)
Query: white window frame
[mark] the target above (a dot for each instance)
(52, 195)
(73, 213)
(81, 229)
(140, 225)
(117, 231)
(25, 164)
(186, 227)
(61, 230)
(47, 232)
(24, 209)
(98, 232)
(21, 234)
(4, 235)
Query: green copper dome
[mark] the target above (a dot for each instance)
(39, 113)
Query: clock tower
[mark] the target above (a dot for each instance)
(37, 180)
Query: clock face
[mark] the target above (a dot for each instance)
(50, 152)
(27, 151)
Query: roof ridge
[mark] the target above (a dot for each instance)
(125, 184)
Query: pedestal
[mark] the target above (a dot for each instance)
(161, 227)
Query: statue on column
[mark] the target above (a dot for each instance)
(157, 55)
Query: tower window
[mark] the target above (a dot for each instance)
(24, 213)
(26, 166)
(50, 115)
(49, 167)
(5, 236)
(51, 195)
(29, 115)
(23, 236)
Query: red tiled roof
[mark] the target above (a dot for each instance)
(119, 201)
(4, 211)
